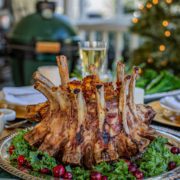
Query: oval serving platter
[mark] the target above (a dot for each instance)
(5, 162)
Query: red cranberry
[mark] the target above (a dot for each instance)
(11, 149)
(58, 171)
(21, 160)
(132, 168)
(68, 175)
(171, 165)
(104, 178)
(175, 150)
(28, 165)
(96, 176)
(128, 162)
(45, 171)
(138, 174)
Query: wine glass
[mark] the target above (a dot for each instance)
(93, 52)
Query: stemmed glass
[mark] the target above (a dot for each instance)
(93, 52)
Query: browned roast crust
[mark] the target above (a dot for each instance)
(87, 122)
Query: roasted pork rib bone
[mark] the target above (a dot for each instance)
(123, 103)
(102, 141)
(120, 72)
(61, 96)
(39, 132)
(130, 99)
(57, 137)
(82, 112)
(101, 106)
(73, 150)
(37, 76)
(48, 94)
(120, 80)
(63, 69)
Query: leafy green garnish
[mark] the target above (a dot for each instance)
(37, 159)
(80, 173)
(118, 170)
(21, 145)
(153, 162)
(40, 160)
(103, 168)
(156, 158)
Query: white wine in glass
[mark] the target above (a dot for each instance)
(92, 53)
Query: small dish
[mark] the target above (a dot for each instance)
(8, 114)
(1, 122)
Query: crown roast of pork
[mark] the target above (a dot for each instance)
(90, 121)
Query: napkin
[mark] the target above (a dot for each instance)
(26, 95)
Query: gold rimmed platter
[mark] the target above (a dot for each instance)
(7, 166)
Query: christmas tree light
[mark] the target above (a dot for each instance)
(165, 23)
(167, 33)
(149, 5)
(169, 1)
(135, 20)
(155, 1)
(162, 47)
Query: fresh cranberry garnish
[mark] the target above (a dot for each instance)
(21, 160)
(175, 150)
(104, 178)
(138, 174)
(96, 176)
(11, 149)
(68, 175)
(45, 171)
(132, 168)
(58, 171)
(128, 162)
(171, 165)
(28, 165)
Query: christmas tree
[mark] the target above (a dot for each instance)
(158, 23)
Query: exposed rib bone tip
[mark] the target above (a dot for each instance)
(128, 77)
(98, 86)
(76, 91)
(35, 74)
(136, 69)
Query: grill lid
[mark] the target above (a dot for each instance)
(36, 27)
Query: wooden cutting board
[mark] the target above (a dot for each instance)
(160, 115)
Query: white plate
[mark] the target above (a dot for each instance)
(151, 97)
(171, 104)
